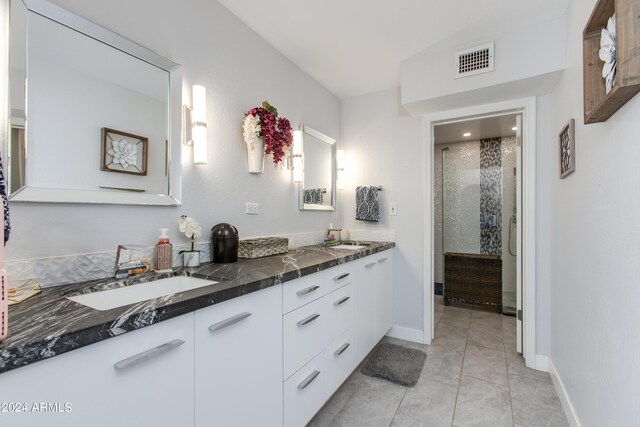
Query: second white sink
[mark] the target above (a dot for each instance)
(113, 298)
(347, 247)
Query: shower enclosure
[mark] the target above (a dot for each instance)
(476, 217)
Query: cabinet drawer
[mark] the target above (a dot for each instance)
(340, 361)
(305, 334)
(340, 311)
(305, 392)
(304, 290)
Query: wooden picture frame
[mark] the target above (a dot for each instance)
(567, 143)
(112, 162)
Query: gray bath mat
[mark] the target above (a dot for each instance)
(395, 363)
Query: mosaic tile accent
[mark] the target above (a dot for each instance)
(491, 196)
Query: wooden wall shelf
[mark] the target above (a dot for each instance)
(598, 106)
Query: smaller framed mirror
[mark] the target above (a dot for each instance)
(317, 191)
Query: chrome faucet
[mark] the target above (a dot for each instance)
(122, 269)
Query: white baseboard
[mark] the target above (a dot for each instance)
(562, 394)
(542, 363)
(407, 334)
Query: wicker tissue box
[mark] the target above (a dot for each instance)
(261, 247)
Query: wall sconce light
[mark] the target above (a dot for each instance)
(340, 169)
(296, 156)
(195, 125)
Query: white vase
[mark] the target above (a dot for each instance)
(191, 259)
(255, 157)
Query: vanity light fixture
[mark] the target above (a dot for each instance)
(195, 125)
(296, 156)
(466, 134)
(340, 169)
(514, 128)
(199, 125)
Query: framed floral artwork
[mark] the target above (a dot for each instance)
(567, 149)
(124, 152)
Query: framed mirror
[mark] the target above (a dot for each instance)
(317, 191)
(94, 117)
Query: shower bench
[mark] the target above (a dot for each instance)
(473, 279)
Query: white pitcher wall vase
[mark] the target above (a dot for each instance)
(255, 157)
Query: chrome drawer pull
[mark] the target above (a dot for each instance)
(340, 277)
(382, 260)
(371, 264)
(341, 350)
(148, 355)
(308, 380)
(308, 290)
(308, 319)
(341, 300)
(228, 322)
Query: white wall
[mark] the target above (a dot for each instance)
(595, 268)
(528, 60)
(383, 146)
(240, 70)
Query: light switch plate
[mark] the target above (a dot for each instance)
(252, 208)
(393, 208)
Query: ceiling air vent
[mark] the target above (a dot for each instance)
(476, 60)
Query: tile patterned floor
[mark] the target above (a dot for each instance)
(473, 376)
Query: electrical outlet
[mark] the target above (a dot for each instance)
(252, 208)
(393, 208)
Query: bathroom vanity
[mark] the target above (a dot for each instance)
(267, 345)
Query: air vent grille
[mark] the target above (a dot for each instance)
(475, 60)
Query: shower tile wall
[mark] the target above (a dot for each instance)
(491, 196)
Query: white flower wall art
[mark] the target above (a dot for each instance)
(124, 152)
(607, 53)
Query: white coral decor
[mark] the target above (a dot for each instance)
(251, 130)
(608, 53)
(124, 153)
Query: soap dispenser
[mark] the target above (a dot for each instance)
(163, 254)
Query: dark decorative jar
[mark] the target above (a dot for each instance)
(224, 243)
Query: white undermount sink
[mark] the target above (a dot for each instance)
(347, 247)
(113, 298)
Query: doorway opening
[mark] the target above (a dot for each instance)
(480, 216)
(476, 192)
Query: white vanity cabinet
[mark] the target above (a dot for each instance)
(374, 295)
(238, 361)
(384, 291)
(144, 377)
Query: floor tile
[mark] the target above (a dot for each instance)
(444, 369)
(517, 367)
(485, 364)
(451, 329)
(374, 403)
(482, 404)
(455, 342)
(428, 404)
(535, 402)
(325, 416)
(485, 337)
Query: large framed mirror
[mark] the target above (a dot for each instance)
(94, 117)
(318, 187)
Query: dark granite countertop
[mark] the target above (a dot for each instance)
(50, 324)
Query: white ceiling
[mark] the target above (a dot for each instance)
(353, 47)
(490, 127)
